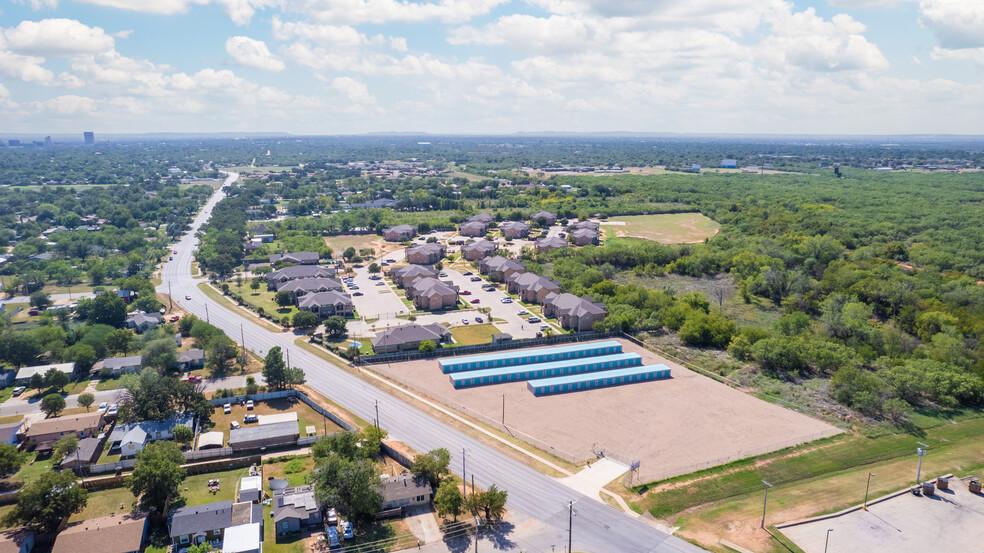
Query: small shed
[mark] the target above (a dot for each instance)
(974, 486)
(250, 489)
(210, 440)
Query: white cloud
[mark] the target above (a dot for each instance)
(25, 68)
(964, 54)
(160, 7)
(242, 11)
(123, 34)
(357, 92)
(39, 4)
(806, 40)
(956, 24)
(253, 53)
(6, 102)
(56, 37)
(353, 12)
(69, 104)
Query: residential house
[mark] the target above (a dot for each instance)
(478, 249)
(399, 233)
(122, 533)
(276, 278)
(191, 360)
(574, 312)
(120, 365)
(24, 374)
(262, 238)
(514, 229)
(426, 254)
(251, 489)
(304, 286)
(295, 508)
(140, 322)
(408, 273)
(209, 522)
(408, 337)
(9, 432)
(481, 218)
(46, 432)
(126, 295)
(581, 225)
(545, 245)
(432, 294)
(474, 228)
(585, 237)
(264, 436)
(326, 304)
(405, 490)
(499, 268)
(259, 229)
(18, 540)
(376, 204)
(130, 439)
(530, 287)
(300, 258)
(547, 218)
(85, 454)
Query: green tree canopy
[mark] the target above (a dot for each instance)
(45, 501)
(157, 475)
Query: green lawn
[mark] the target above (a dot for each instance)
(668, 228)
(474, 333)
(76, 387)
(30, 470)
(340, 243)
(6, 393)
(108, 384)
(265, 300)
(105, 503)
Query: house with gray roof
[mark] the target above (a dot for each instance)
(304, 286)
(432, 294)
(278, 434)
(549, 243)
(473, 228)
(585, 236)
(574, 312)
(530, 287)
(399, 233)
(140, 322)
(514, 229)
(582, 225)
(295, 508)
(499, 268)
(276, 278)
(405, 490)
(478, 249)
(327, 304)
(85, 454)
(299, 258)
(408, 337)
(408, 273)
(9, 432)
(121, 365)
(426, 254)
(191, 360)
(209, 522)
(481, 218)
(381, 203)
(548, 219)
(130, 438)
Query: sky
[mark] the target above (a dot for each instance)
(492, 66)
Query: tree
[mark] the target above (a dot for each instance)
(349, 253)
(251, 387)
(294, 377)
(37, 381)
(254, 284)
(108, 309)
(374, 268)
(335, 326)
(305, 319)
(52, 404)
(11, 460)
(342, 444)
(219, 353)
(83, 355)
(492, 502)
(65, 445)
(372, 438)
(119, 341)
(274, 370)
(427, 345)
(40, 299)
(157, 475)
(448, 499)
(186, 323)
(182, 434)
(160, 355)
(432, 465)
(55, 379)
(203, 547)
(86, 400)
(43, 503)
(284, 298)
(351, 486)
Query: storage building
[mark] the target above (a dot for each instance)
(468, 379)
(603, 379)
(523, 357)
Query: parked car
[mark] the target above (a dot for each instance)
(250, 419)
(171, 258)
(174, 318)
(249, 405)
(234, 425)
(331, 517)
(464, 321)
(113, 410)
(380, 284)
(193, 378)
(506, 300)
(533, 320)
(476, 278)
(20, 390)
(333, 540)
(375, 277)
(524, 312)
(353, 286)
(347, 532)
(187, 297)
(175, 252)
(479, 320)
(476, 300)
(102, 406)
(33, 311)
(544, 327)
(467, 273)
(357, 294)
(227, 408)
(442, 274)
(465, 292)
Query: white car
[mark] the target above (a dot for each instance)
(464, 321)
(249, 405)
(506, 300)
(227, 408)
(103, 406)
(113, 410)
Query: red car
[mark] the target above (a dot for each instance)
(192, 378)
(175, 252)
(476, 300)
(174, 318)
(465, 293)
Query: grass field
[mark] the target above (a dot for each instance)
(265, 300)
(217, 296)
(305, 416)
(108, 384)
(473, 334)
(339, 243)
(668, 228)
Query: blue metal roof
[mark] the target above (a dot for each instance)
(519, 354)
(611, 373)
(498, 371)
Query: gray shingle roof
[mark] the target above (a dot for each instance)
(296, 502)
(201, 518)
(262, 432)
(404, 486)
(301, 271)
(410, 333)
(120, 362)
(311, 285)
(325, 298)
(299, 257)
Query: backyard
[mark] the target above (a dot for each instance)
(473, 334)
(305, 416)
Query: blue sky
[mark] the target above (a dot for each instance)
(492, 66)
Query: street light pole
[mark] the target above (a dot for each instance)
(765, 501)
(864, 506)
(377, 414)
(921, 452)
(206, 312)
(826, 541)
(570, 526)
(464, 480)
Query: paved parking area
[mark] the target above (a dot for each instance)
(951, 521)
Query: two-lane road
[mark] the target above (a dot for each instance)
(599, 528)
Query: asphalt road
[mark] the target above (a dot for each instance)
(597, 528)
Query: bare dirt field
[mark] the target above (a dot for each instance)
(339, 243)
(667, 228)
(673, 426)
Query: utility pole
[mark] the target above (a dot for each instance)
(288, 357)
(206, 312)
(765, 501)
(170, 298)
(864, 506)
(570, 526)
(464, 479)
(921, 452)
(242, 335)
(827, 540)
(377, 414)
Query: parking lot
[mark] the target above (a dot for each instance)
(951, 520)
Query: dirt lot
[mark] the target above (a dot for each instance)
(667, 228)
(305, 416)
(672, 426)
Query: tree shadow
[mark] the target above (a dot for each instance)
(456, 542)
(498, 535)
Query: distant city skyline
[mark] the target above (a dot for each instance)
(838, 67)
